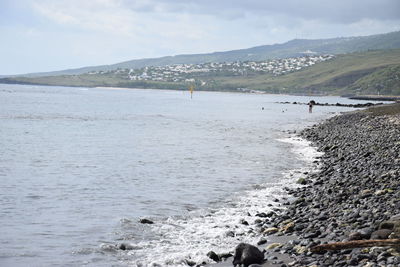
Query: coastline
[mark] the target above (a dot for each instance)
(376, 98)
(356, 189)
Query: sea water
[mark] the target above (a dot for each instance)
(80, 166)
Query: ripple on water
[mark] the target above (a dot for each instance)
(174, 240)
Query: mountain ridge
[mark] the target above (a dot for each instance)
(374, 72)
(292, 48)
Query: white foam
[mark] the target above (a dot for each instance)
(191, 238)
(302, 148)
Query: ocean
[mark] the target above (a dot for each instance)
(79, 167)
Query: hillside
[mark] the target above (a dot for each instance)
(293, 48)
(371, 72)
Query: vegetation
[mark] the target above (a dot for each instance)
(346, 74)
(371, 72)
(385, 81)
(294, 48)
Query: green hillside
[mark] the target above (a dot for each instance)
(371, 72)
(292, 48)
(351, 73)
(385, 81)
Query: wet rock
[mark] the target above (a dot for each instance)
(247, 254)
(230, 234)
(146, 221)
(190, 262)
(212, 255)
(243, 221)
(262, 241)
(301, 181)
(126, 246)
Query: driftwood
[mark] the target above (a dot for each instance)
(357, 244)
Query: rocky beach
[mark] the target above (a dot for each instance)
(354, 198)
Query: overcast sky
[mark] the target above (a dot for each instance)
(47, 35)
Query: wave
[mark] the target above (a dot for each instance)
(176, 241)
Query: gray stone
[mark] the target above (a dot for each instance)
(146, 221)
(381, 234)
(247, 254)
(212, 255)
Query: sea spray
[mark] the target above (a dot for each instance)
(178, 241)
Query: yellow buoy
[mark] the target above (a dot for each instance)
(191, 88)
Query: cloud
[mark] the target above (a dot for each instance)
(326, 10)
(114, 18)
(192, 19)
(96, 15)
(73, 33)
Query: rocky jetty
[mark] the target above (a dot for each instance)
(365, 105)
(352, 203)
(375, 98)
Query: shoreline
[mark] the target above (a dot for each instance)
(376, 98)
(387, 98)
(356, 189)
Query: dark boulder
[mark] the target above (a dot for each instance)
(146, 221)
(243, 221)
(262, 241)
(212, 255)
(126, 246)
(247, 254)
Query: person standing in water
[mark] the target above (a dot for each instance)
(310, 105)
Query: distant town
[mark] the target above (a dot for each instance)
(195, 72)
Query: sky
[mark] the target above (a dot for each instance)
(48, 35)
